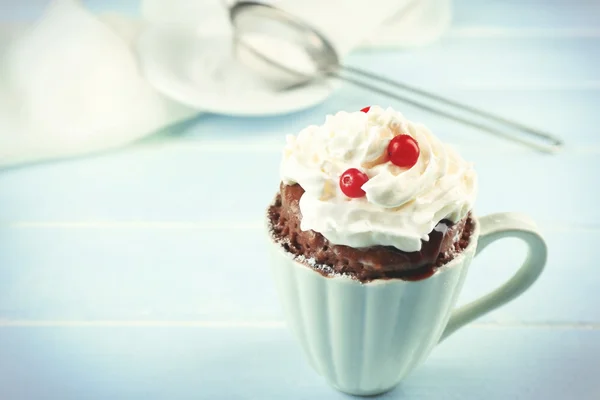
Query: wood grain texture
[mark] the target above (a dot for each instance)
(191, 363)
(191, 273)
(553, 15)
(210, 186)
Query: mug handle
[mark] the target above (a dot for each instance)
(493, 227)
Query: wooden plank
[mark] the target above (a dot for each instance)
(495, 60)
(164, 273)
(549, 14)
(568, 113)
(185, 363)
(552, 14)
(234, 183)
(34, 9)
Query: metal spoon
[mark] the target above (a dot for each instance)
(250, 19)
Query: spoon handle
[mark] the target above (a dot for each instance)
(533, 137)
(487, 122)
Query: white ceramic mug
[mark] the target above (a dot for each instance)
(364, 338)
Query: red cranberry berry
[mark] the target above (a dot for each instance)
(403, 151)
(351, 182)
(366, 109)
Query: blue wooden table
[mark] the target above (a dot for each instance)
(142, 273)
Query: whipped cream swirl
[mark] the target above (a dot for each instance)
(401, 206)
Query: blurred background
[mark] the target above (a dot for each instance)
(82, 77)
(119, 71)
(139, 149)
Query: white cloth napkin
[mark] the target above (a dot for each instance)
(72, 86)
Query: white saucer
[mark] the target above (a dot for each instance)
(201, 72)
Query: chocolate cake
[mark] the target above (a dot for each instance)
(372, 195)
(364, 264)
